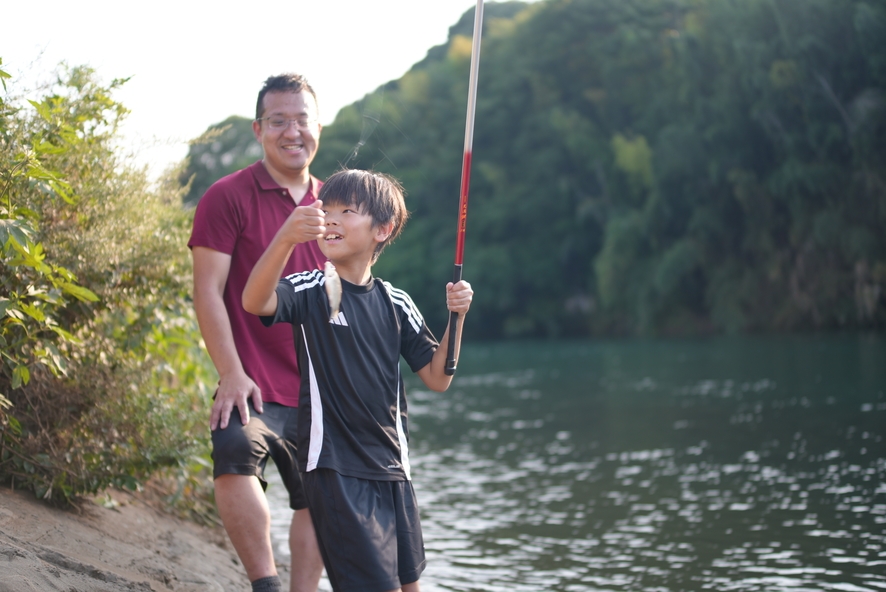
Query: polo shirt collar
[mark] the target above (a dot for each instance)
(267, 183)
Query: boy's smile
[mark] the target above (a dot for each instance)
(332, 237)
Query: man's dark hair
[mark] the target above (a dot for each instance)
(376, 194)
(283, 83)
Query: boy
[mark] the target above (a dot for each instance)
(352, 434)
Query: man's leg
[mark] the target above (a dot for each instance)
(307, 564)
(244, 511)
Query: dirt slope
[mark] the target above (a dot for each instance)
(130, 547)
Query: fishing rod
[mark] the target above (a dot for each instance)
(465, 178)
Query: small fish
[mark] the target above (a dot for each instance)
(333, 289)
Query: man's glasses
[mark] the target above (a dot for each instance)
(279, 123)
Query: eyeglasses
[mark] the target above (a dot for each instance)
(279, 123)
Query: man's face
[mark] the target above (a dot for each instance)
(289, 149)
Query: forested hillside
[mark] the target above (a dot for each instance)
(643, 167)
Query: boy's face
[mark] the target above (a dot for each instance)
(350, 234)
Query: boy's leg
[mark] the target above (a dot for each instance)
(307, 564)
(413, 587)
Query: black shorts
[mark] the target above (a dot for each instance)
(369, 531)
(244, 449)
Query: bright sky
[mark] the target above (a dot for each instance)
(193, 63)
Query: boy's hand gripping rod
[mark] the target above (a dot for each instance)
(465, 178)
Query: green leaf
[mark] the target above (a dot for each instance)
(63, 190)
(20, 376)
(30, 214)
(65, 274)
(4, 304)
(32, 255)
(43, 110)
(15, 313)
(48, 148)
(79, 292)
(51, 297)
(64, 334)
(33, 312)
(18, 230)
(53, 359)
(15, 425)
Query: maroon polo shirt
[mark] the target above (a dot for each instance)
(239, 215)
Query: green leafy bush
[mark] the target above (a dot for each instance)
(102, 375)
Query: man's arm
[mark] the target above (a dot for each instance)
(458, 299)
(211, 270)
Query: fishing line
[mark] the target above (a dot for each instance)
(371, 119)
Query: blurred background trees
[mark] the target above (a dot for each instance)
(644, 167)
(224, 148)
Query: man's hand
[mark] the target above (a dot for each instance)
(234, 390)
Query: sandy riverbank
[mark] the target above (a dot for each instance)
(132, 546)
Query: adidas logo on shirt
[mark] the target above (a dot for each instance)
(339, 319)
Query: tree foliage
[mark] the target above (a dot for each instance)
(224, 148)
(101, 372)
(644, 166)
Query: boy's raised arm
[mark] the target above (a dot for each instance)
(458, 299)
(304, 224)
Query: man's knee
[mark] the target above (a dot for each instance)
(239, 489)
(236, 451)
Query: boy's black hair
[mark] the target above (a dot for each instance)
(283, 83)
(376, 194)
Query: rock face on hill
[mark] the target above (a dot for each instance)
(129, 547)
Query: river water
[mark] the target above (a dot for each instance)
(740, 463)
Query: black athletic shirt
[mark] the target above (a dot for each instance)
(352, 406)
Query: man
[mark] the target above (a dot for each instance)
(254, 414)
